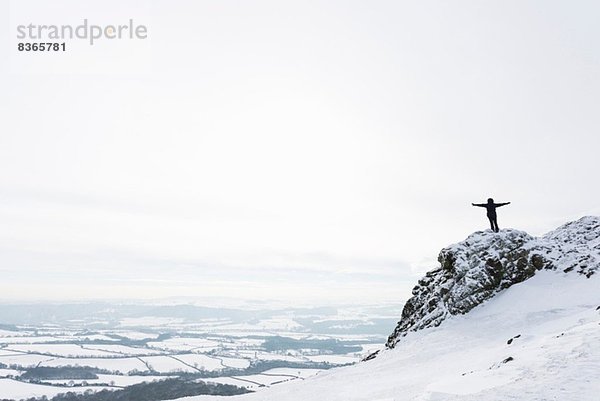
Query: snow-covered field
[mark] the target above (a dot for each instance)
(267, 356)
(134, 335)
(66, 350)
(33, 339)
(9, 372)
(537, 340)
(256, 349)
(116, 349)
(111, 380)
(267, 378)
(335, 359)
(12, 389)
(123, 365)
(167, 364)
(186, 344)
(24, 360)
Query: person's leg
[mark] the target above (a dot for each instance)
(492, 224)
(496, 225)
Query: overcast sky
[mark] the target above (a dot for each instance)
(308, 151)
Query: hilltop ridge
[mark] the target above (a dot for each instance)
(474, 270)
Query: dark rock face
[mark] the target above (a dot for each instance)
(474, 270)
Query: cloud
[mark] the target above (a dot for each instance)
(296, 145)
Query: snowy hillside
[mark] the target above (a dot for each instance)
(477, 268)
(532, 331)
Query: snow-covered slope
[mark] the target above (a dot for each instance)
(477, 268)
(530, 336)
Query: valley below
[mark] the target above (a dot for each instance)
(48, 350)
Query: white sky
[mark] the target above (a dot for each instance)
(306, 151)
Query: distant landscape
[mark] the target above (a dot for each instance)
(97, 351)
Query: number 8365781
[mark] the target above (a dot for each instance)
(41, 47)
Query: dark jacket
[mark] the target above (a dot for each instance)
(491, 208)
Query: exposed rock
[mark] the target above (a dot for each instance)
(370, 356)
(512, 339)
(477, 268)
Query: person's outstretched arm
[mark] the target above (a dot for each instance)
(479, 204)
(502, 204)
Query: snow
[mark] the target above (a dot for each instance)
(193, 363)
(4, 352)
(123, 365)
(28, 339)
(201, 361)
(301, 373)
(10, 333)
(24, 360)
(135, 335)
(13, 389)
(476, 269)
(237, 363)
(185, 344)
(127, 380)
(65, 350)
(92, 337)
(277, 324)
(113, 380)
(167, 364)
(266, 379)
(117, 349)
(556, 355)
(269, 356)
(333, 359)
(9, 372)
(150, 321)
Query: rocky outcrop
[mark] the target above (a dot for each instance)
(575, 246)
(477, 268)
